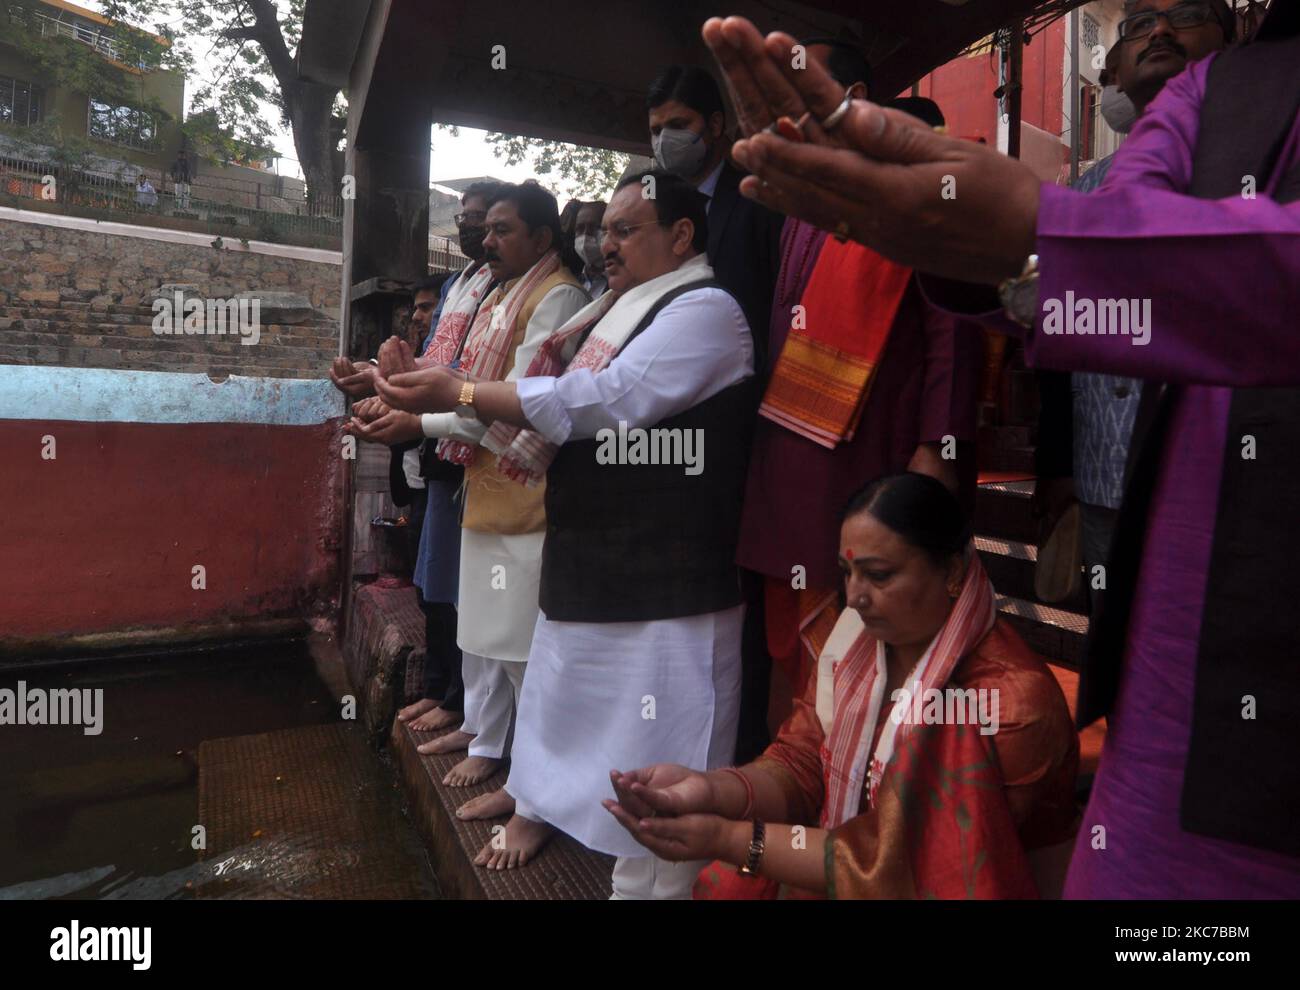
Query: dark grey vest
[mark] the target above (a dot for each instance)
(636, 542)
(1242, 781)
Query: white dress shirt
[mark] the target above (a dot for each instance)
(698, 345)
(710, 184)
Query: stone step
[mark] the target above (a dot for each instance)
(563, 871)
(1002, 510)
(1010, 566)
(1049, 631)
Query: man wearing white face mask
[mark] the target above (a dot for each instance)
(586, 242)
(689, 137)
(1116, 108)
(1085, 419)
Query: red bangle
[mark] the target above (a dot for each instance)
(749, 792)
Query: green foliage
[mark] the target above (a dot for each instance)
(78, 66)
(249, 42)
(586, 173)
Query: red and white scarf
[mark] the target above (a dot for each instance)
(457, 310)
(487, 350)
(525, 454)
(851, 692)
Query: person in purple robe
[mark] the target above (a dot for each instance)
(1194, 239)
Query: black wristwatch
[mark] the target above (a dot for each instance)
(750, 866)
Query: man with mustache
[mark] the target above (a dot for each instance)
(503, 523)
(437, 564)
(1086, 419)
(1193, 661)
(636, 654)
(1158, 38)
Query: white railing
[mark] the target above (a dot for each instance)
(78, 32)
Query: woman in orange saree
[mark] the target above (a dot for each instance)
(953, 787)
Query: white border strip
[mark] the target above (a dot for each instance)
(188, 237)
(102, 395)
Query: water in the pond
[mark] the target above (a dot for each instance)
(112, 815)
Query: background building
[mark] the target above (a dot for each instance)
(967, 90)
(39, 115)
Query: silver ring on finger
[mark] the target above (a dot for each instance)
(833, 120)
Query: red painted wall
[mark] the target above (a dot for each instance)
(964, 88)
(103, 538)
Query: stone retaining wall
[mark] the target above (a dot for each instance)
(78, 297)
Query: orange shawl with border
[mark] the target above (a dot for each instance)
(957, 813)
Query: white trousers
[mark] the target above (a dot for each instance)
(491, 699)
(649, 878)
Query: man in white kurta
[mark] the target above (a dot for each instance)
(605, 695)
(501, 540)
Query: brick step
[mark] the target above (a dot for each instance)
(73, 304)
(1002, 510)
(304, 354)
(1010, 566)
(323, 327)
(1049, 631)
(115, 336)
(282, 331)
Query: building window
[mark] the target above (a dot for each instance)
(20, 102)
(126, 126)
(1090, 33)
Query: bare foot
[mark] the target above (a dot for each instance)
(515, 845)
(492, 805)
(435, 719)
(416, 710)
(449, 743)
(471, 770)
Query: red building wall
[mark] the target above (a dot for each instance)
(964, 89)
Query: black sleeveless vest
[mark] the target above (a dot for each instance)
(630, 542)
(1242, 780)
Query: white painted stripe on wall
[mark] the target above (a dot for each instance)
(103, 395)
(173, 236)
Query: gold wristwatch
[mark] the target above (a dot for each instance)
(1019, 295)
(465, 403)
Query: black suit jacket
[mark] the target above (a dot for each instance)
(745, 252)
